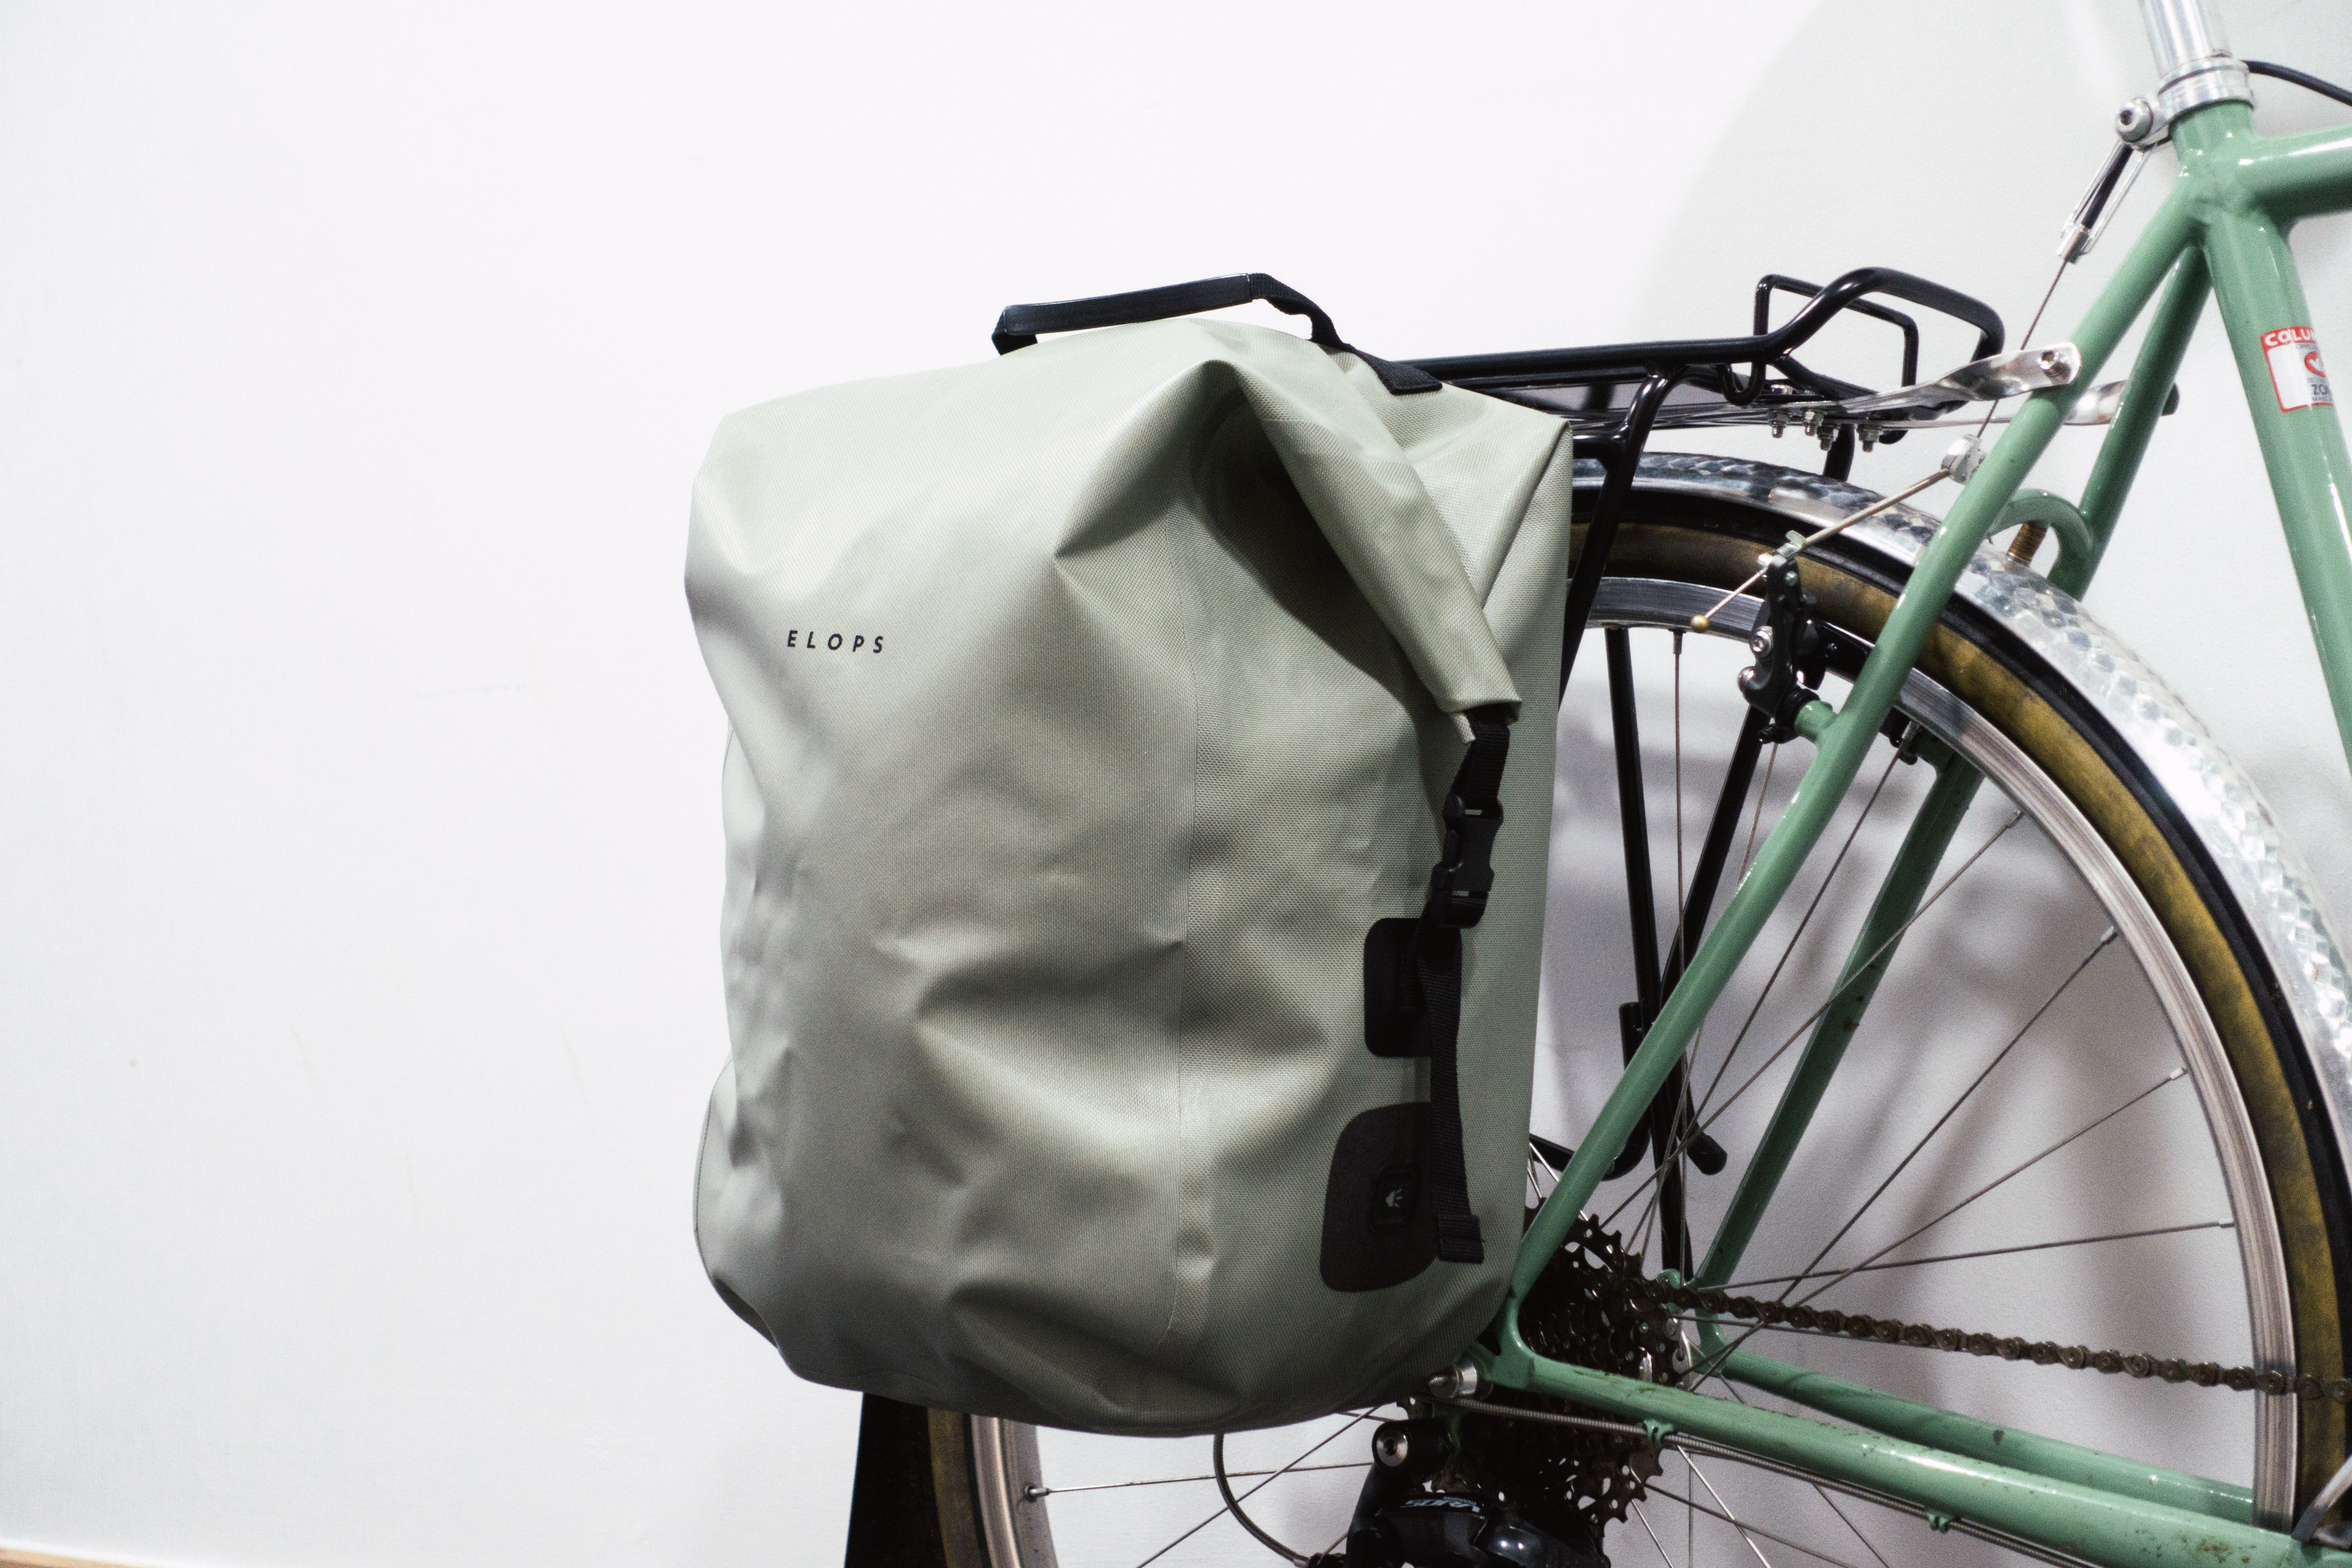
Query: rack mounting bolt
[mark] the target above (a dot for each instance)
(2136, 121)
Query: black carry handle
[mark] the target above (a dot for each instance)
(1019, 325)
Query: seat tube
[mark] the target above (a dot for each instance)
(2295, 421)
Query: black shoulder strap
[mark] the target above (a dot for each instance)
(1019, 325)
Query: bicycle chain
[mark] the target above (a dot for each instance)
(1715, 1303)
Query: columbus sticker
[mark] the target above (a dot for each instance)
(2297, 375)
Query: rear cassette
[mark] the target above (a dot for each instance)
(1574, 1482)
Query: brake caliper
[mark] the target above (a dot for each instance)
(1788, 648)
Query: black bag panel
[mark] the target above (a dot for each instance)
(1393, 1010)
(1380, 1227)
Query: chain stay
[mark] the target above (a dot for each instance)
(1925, 1336)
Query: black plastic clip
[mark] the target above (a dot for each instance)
(1465, 872)
(1789, 654)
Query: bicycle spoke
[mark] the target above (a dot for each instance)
(1716, 848)
(1034, 1493)
(2023, 1548)
(1795, 936)
(1747, 856)
(1847, 1520)
(1747, 1531)
(1642, 1221)
(1270, 1480)
(1653, 1535)
(1690, 1524)
(1820, 1490)
(1991, 1252)
(1697, 899)
(1642, 1232)
(2017, 1170)
(1665, 1205)
(1711, 1118)
(1733, 1519)
(1717, 1358)
(1954, 1108)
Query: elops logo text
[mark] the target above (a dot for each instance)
(836, 642)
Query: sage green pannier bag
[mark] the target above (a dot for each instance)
(1099, 713)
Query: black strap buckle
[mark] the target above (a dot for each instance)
(1473, 814)
(1465, 872)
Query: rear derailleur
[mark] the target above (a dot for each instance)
(1408, 1513)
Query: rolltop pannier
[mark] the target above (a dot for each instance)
(1106, 1052)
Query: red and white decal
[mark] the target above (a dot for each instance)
(2297, 375)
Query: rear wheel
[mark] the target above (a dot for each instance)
(2080, 1109)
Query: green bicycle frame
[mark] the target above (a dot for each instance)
(2222, 230)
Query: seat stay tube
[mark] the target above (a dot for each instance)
(2171, 326)
(1842, 743)
(1899, 893)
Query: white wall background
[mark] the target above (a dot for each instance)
(358, 988)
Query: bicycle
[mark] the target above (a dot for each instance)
(2158, 977)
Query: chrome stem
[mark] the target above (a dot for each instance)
(2181, 33)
